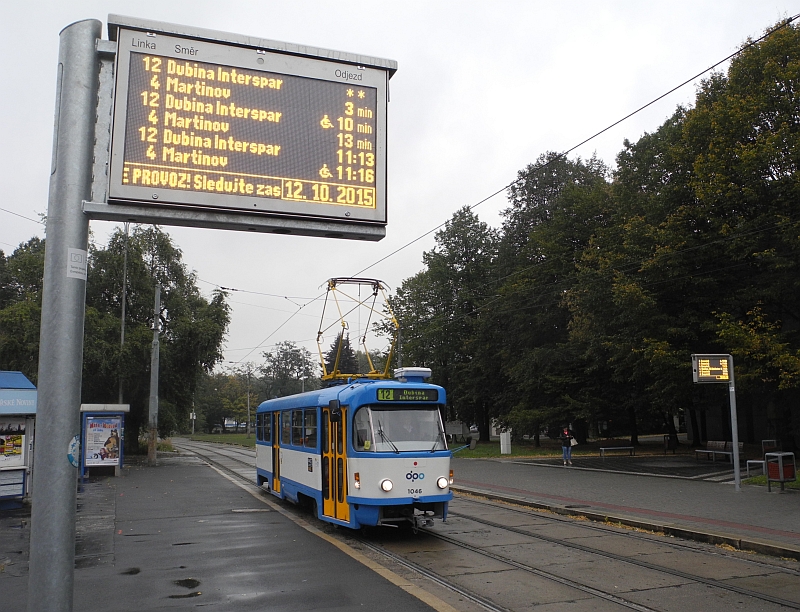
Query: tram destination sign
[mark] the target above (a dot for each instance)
(226, 126)
(711, 368)
(408, 395)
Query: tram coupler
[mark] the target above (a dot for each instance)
(421, 521)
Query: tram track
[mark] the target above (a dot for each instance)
(609, 555)
(245, 458)
(633, 534)
(516, 564)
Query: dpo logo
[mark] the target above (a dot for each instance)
(412, 476)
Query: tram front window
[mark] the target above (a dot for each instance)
(399, 428)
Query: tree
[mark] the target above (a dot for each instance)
(20, 307)
(341, 358)
(557, 206)
(377, 358)
(439, 310)
(193, 327)
(288, 369)
(602, 284)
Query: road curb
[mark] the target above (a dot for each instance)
(763, 547)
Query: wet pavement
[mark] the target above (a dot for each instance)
(181, 535)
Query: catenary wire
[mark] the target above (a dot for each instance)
(11, 212)
(557, 157)
(521, 178)
(590, 138)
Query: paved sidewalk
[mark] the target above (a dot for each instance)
(182, 536)
(710, 511)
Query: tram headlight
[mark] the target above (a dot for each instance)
(386, 485)
(442, 482)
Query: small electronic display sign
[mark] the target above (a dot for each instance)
(408, 395)
(711, 368)
(221, 126)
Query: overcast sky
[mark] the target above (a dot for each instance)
(482, 89)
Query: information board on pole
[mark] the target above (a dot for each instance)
(213, 122)
(719, 369)
(711, 368)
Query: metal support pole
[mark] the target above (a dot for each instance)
(124, 301)
(248, 401)
(737, 473)
(152, 442)
(52, 541)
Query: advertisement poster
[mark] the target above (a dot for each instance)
(102, 440)
(12, 442)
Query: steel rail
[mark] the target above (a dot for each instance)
(612, 528)
(609, 555)
(443, 581)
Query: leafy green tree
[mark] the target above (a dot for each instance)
(288, 369)
(193, 327)
(20, 307)
(703, 251)
(343, 350)
(556, 207)
(439, 311)
(377, 357)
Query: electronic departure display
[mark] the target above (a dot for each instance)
(711, 368)
(408, 395)
(206, 124)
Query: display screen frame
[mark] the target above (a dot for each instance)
(131, 41)
(703, 366)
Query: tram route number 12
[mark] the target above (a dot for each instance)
(385, 395)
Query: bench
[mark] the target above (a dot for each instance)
(717, 447)
(755, 462)
(605, 449)
(767, 446)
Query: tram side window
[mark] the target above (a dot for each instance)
(260, 427)
(286, 427)
(266, 427)
(297, 428)
(363, 432)
(310, 438)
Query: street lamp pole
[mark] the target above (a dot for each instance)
(247, 371)
(248, 401)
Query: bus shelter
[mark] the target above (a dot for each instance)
(17, 419)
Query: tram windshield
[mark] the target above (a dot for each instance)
(394, 429)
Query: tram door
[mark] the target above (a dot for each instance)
(334, 466)
(276, 452)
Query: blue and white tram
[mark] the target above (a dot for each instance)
(369, 452)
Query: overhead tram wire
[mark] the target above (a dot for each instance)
(590, 138)
(277, 329)
(545, 165)
(11, 212)
(285, 297)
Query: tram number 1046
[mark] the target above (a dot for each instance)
(415, 492)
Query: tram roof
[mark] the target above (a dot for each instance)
(361, 390)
